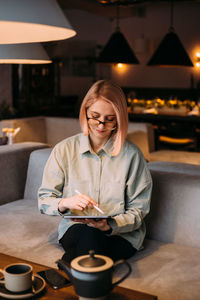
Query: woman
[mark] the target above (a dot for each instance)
(108, 171)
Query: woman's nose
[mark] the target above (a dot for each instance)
(101, 125)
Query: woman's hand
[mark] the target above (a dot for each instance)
(79, 202)
(100, 224)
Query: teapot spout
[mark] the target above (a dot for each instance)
(63, 266)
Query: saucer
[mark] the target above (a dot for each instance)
(38, 286)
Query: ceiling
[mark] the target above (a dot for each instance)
(128, 8)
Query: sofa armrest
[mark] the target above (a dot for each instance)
(175, 205)
(36, 166)
(13, 169)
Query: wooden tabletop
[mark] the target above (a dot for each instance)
(68, 293)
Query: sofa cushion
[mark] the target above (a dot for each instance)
(175, 208)
(13, 165)
(29, 234)
(170, 271)
(36, 166)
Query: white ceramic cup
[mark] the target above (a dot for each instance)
(17, 277)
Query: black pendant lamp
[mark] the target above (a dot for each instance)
(170, 52)
(117, 49)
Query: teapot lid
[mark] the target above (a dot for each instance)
(92, 262)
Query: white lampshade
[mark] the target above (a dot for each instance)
(26, 21)
(23, 54)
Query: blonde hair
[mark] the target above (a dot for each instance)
(112, 93)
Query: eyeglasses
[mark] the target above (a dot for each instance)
(111, 125)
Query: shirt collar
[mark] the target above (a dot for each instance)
(108, 147)
(84, 144)
(86, 147)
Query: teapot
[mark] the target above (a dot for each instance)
(92, 274)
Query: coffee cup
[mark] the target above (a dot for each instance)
(17, 277)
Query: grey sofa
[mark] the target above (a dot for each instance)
(169, 264)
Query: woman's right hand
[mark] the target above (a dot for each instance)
(79, 202)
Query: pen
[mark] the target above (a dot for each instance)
(96, 207)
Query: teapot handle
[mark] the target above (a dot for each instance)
(2, 280)
(117, 265)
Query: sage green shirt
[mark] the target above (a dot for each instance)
(121, 184)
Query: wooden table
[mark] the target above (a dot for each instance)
(68, 293)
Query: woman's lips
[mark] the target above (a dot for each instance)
(100, 131)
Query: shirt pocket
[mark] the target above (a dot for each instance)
(112, 196)
(82, 186)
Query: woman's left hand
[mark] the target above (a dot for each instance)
(100, 224)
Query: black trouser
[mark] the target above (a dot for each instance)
(80, 238)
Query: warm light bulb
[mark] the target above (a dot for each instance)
(120, 68)
(197, 60)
